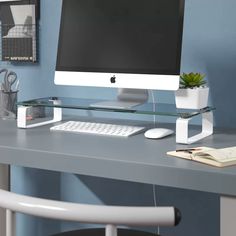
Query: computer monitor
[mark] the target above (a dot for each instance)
(134, 44)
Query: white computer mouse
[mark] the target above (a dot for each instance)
(157, 133)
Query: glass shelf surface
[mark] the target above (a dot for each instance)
(162, 109)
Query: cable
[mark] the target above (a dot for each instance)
(153, 107)
(154, 124)
(154, 195)
(155, 204)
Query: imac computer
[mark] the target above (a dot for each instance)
(131, 44)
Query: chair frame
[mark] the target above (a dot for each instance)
(111, 216)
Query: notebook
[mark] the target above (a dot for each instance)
(211, 156)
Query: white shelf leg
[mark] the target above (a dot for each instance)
(182, 127)
(22, 111)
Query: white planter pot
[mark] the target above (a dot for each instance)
(195, 98)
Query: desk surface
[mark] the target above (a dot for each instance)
(131, 159)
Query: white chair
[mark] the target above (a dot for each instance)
(110, 216)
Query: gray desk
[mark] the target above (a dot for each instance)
(131, 159)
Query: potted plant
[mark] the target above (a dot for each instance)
(193, 92)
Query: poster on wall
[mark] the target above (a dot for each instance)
(19, 31)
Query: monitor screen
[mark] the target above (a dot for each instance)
(121, 36)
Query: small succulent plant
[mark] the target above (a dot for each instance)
(192, 80)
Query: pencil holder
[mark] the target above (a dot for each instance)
(8, 104)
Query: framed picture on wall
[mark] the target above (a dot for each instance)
(19, 30)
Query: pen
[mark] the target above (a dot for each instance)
(188, 150)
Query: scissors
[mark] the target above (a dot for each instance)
(9, 79)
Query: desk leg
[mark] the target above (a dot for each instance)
(227, 216)
(4, 184)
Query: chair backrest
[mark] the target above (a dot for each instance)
(111, 216)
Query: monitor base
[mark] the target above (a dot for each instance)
(126, 99)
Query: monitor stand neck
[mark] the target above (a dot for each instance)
(126, 99)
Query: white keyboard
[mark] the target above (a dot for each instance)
(98, 128)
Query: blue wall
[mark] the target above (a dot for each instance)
(208, 47)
